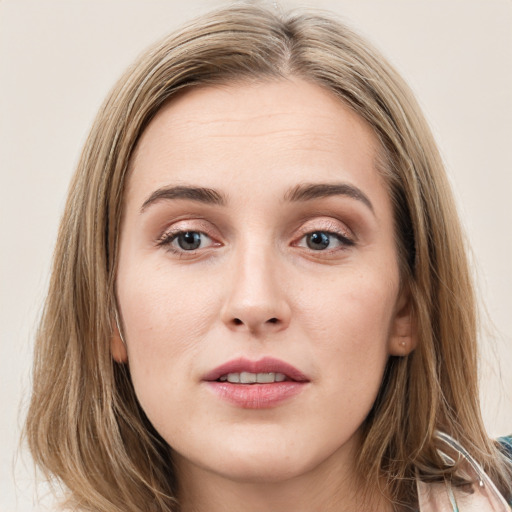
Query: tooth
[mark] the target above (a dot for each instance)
(265, 377)
(251, 378)
(247, 378)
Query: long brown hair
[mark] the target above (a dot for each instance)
(85, 426)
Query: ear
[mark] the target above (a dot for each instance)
(403, 335)
(117, 346)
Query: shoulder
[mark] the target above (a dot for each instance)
(484, 497)
(505, 443)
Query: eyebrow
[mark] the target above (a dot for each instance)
(192, 193)
(308, 192)
(299, 193)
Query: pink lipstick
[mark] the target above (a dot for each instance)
(258, 384)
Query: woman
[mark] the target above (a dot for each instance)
(260, 295)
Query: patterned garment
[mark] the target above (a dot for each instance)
(481, 496)
(506, 443)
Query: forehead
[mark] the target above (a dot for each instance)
(275, 133)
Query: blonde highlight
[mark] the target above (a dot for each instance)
(85, 425)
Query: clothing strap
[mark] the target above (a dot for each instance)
(480, 495)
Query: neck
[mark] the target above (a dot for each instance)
(328, 487)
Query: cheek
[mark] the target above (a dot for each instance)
(165, 309)
(350, 321)
(165, 318)
(356, 307)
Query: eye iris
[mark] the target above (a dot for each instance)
(189, 240)
(318, 240)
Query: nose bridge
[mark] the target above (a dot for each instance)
(256, 300)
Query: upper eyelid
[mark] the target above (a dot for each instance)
(327, 225)
(181, 225)
(306, 225)
(169, 235)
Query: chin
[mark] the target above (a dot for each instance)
(268, 461)
(261, 472)
(262, 454)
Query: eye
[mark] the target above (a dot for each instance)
(185, 240)
(322, 240)
(189, 240)
(318, 240)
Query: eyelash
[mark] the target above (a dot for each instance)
(167, 239)
(346, 241)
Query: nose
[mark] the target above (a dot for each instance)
(256, 301)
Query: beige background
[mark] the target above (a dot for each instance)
(59, 58)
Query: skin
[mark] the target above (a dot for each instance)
(255, 288)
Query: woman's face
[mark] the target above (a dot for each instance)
(257, 243)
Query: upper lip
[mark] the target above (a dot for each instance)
(264, 365)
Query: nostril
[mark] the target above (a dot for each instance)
(273, 321)
(237, 321)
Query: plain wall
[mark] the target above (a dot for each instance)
(58, 59)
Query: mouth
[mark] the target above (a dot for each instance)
(261, 384)
(264, 371)
(253, 378)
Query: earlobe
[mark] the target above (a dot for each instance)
(117, 345)
(403, 336)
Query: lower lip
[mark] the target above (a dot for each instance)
(256, 396)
